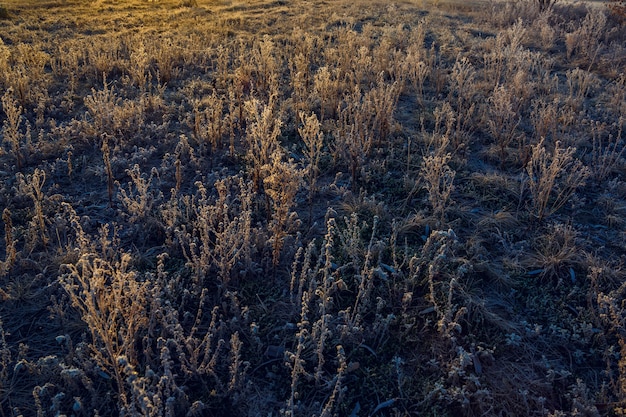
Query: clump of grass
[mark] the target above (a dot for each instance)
(556, 256)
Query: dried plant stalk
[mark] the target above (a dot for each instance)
(439, 181)
(501, 119)
(552, 179)
(11, 126)
(140, 198)
(281, 184)
(313, 139)
(261, 138)
(9, 243)
(112, 302)
(106, 158)
(606, 154)
(32, 186)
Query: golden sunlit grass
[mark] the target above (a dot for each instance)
(311, 208)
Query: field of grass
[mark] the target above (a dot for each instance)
(312, 208)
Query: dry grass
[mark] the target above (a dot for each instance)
(461, 168)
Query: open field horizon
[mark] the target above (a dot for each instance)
(312, 208)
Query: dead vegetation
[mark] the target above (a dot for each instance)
(312, 208)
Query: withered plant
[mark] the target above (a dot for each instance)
(544, 117)
(586, 40)
(506, 49)
(262, 135)
(31, 185)
(140, 197)
(138, 65)
(266, 64)
(438, 180)
(326, 88)
(112, 302)
(417, 73)
(553, 178)
(11, 127)
(281, 183)
(209, 122)
(462, 88)
(613, 316)
(556, 256)
(606, 152)
(313, 139)
(353, 134)
(300, 81)
(383, 98)
(218, 235)
(579, 83)
(502, 120)
(101, 107)
(106, 159)
(109, 113)
(167, 55)
(469, 271)
(9, 243)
